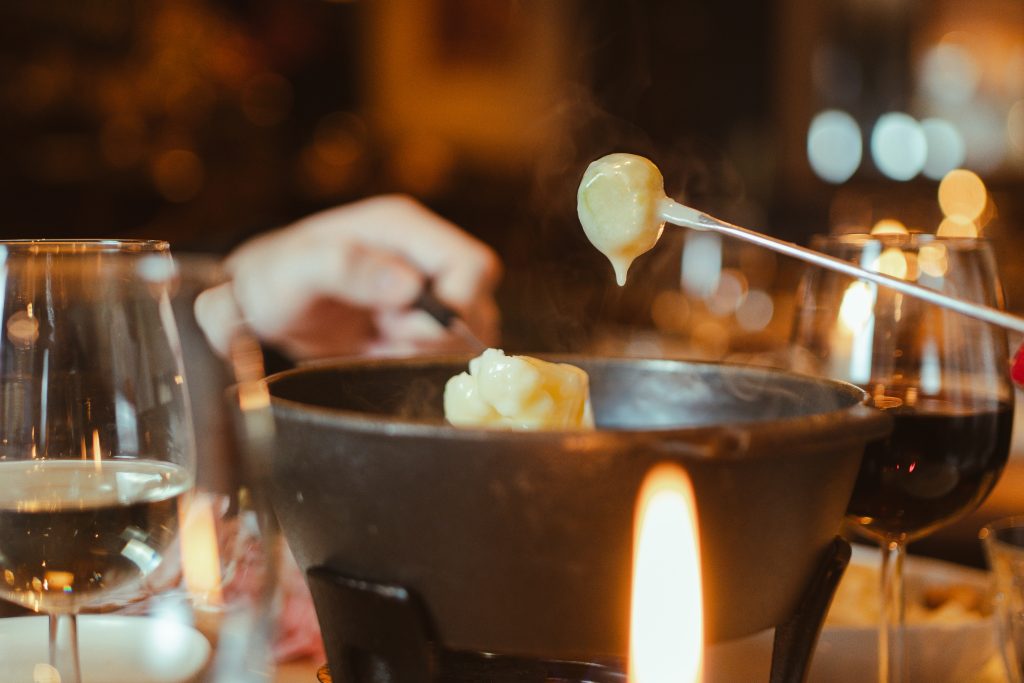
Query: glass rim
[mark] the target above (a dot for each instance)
(991, 531)
(860, 239)
(85, 246)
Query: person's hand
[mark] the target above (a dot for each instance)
(342, 282)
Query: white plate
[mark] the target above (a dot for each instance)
(938, 653)
(112, 649)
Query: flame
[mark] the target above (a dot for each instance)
(667, 620)
(857, 307)
(199, 555)
(97, 451)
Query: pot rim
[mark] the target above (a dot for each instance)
(800, 432)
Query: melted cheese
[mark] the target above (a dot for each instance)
(518, 392)
(618, 205)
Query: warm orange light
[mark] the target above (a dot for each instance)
(962, 195)
(667, 620)
(97, 452)
(889, 226)
(932, 260)
(200, 559)
(957, 226)
(857, 307)
(891, 262)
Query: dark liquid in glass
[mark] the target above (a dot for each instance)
(941, 461)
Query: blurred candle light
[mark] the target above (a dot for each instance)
(932, 260)
(962, 195)
(857, 306)
(889, 226)
(853, 338)
(957, 226)
(200, 558)
(891, 262)
(667, 620)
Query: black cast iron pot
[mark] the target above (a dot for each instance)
(521, 542)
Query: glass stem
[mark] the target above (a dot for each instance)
(64, 647)
(892, 660)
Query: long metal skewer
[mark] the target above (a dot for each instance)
(679, 214)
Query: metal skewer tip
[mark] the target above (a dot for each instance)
(448, 318)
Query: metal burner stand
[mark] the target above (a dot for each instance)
(377, 633)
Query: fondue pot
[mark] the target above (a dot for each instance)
(520, 542)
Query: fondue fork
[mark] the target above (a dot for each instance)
(448, 319)
(623, 208)
(277, 360)
(679, 214)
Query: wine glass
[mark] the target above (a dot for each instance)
(96, 447)
(942, 376)
(226, 584)
(208, 612)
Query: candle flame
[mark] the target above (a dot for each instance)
(667, 621)
(857, 307)
(199, 555)
(97, 452)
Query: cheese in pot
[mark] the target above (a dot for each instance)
(518, 392)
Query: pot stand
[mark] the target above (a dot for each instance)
(378, 633)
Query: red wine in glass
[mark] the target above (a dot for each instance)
(941, 460)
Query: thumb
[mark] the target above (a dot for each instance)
(218, 316)
(275, 291)
(374, 279)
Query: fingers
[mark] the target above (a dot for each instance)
(372, 258)
(463, 270)
(280, 278)
(218, 316)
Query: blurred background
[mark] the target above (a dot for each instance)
(205, 122)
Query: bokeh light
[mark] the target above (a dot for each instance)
(932, 260)
(948, 73)
(858, 306)
(891, 262)
(178, 174)
(702, 263)
(834, 146)
(329, 165)
(710, 338)
(957, 226)
(756, 311)
(732, 288)
(898, 146)
(983, 126)
(962, 195)
(945, 148)
(889, 226)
